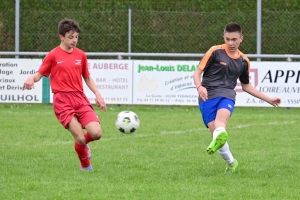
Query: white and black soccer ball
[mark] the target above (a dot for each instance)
(127, 122)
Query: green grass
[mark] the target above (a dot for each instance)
(165, 159)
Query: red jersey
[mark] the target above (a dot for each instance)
(65, 69)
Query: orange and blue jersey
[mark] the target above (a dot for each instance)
(221, 71)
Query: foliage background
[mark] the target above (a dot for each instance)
(165, 26)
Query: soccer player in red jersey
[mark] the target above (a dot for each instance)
(221, 66)
(67, 66)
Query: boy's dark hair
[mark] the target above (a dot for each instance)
(67, 25)
(233, 27)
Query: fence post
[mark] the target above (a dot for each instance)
(258, 27)
(17, 27)
(129, 31)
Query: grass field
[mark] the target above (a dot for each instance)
(165, 159)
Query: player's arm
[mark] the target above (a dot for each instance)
(91, 84)
(274, 101)
(29, 83)
(205, 62)
(88, 79)
(99, 100)
(197, 77)
(44, 70)
(202, 92)
(247, 87)
(254, 92)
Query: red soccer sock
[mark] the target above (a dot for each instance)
(82, 154)
(88, 138)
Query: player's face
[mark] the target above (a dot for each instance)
(232, 41)
(70, 39)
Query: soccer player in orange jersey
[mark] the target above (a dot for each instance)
(221, 66)
(67, 66)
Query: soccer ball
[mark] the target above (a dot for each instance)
(127, 122)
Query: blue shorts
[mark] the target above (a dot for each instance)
(209, 108)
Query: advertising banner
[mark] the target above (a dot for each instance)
(13, 74)
(279, 79)
(113, 79)
(164, 82)
(171, 83)
(150, 82)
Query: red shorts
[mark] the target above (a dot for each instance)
(68, 104)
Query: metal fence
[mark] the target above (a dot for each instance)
(136, 31)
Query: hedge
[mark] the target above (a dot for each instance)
(168, 26)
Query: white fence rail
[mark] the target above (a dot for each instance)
(121, 55)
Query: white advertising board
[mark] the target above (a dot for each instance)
(113, 79)
(171, 83)
(164, 82)
(153, 82)
(279, 79)
(13, 74)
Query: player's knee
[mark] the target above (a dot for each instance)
(96, 134)
(220, 121)
(80, 140)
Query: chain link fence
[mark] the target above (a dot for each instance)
(152, 31)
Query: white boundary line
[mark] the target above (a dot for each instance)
(273, 123)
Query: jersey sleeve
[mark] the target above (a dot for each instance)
(45, 68)
(207, 59)
(85, 67)
(245, 76)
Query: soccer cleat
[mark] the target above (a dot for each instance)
(88, 150)
(217, 143)
(89, 168)
(232, 167)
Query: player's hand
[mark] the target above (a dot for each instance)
(100, 103)
(274, 101)
(202, 93)
(29, 83)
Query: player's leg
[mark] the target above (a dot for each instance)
(89, 121)
(225, 153)
(225, 109)
(215, 114)
(64, 104)
(219, 134)
(222, 117)
(209, 112)
(94, 131)
(211, 126)
(231, 162)
(221, 122)
(80, 144)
